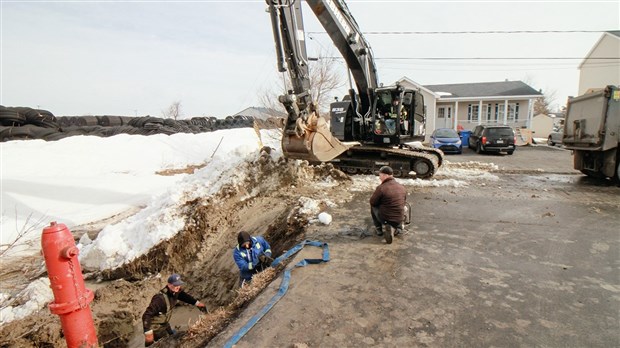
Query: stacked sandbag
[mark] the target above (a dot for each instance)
(21, 123)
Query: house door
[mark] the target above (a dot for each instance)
(444, 117)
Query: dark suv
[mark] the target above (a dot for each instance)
(486, 138)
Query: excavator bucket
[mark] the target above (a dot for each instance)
(317, 144)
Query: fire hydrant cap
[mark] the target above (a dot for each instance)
(54, 227)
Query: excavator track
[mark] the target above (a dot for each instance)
(424, 162)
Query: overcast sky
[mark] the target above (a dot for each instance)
(215, 57)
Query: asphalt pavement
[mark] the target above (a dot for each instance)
(529, 260)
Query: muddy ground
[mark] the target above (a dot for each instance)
(528, 260)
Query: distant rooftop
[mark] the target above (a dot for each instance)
(614, 32)
(260, 113)
(483, 89)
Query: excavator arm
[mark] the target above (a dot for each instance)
(306, 135)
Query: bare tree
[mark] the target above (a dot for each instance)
(543, 104)
(174, 111)
(325, 79)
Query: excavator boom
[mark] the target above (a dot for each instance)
(381, 121)
(306, 134)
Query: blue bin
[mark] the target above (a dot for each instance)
(465, 138)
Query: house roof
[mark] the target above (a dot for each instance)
(484, 89)
(611, 33)
(408, 80)
(614, 32)
(260, 112)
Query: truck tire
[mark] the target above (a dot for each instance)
(550, 141)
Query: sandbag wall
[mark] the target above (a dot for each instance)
(18, 123)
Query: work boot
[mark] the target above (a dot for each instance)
(389, 233)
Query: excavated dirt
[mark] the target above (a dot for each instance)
(267, 203)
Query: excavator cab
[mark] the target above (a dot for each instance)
(397, 114)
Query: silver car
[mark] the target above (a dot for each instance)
(555, 137)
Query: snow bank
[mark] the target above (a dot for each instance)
(162, 219)
(36, 295)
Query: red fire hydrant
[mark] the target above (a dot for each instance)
(71, 298)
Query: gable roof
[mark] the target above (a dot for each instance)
(612, 33)
(260, 112)
(484, 89)
(410, 81)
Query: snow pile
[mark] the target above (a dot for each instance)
(448, 175)
(468, 171)
(311, 207)
(83, 179)
(162, 219)
(370, 182)
(36, 295)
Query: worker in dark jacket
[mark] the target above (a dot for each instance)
(252, 255)
(156, 318)
(387, 203)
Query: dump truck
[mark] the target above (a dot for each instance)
(592, 131)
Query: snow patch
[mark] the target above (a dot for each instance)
(38, 294)
(325, 218)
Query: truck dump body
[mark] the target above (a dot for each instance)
(592, 130)
(593, 120)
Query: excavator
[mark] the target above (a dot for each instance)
(370, 127)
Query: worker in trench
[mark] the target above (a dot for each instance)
(252, 255)
(156, 318)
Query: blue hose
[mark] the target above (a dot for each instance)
(283, 286)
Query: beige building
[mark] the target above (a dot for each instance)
(542, 125)
(466, 105)
(601, 66)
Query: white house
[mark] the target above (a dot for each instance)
(601, 66)
(467, 105)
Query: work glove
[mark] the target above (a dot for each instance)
(265, 260)
(201, 306)
(149, 338)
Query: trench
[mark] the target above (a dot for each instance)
(266, 204)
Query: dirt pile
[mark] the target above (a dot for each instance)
(267, 203)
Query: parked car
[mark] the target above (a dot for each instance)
(555, 137)
(488, 138)
(447, 140)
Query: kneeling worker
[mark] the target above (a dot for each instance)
(156, 318)
(387, 204)
(252, 255)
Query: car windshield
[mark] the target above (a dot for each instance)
(500, 132)
(446, 133)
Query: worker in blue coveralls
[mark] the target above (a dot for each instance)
(252, 255)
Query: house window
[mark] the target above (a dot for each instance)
(488, 114)
(441, 113)
(472, 113)
(513, 112)
(499, 112)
